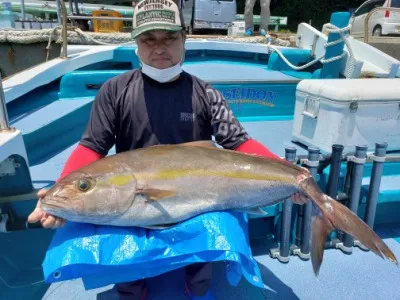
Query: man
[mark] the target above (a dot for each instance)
(265, 16)
(156, 104)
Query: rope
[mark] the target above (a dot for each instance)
(74, 35)
(330, 28)
(20, 286)
(50, 40)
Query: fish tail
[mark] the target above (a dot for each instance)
(319, 232)
(335, 215)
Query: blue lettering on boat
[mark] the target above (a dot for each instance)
(249, 95)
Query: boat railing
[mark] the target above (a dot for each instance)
(4, 126)
(349, 196)
(366, 32)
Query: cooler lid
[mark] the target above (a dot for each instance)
(349, 90)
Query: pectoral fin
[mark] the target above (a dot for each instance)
(156, 194)
(159, 227)
(254, 211)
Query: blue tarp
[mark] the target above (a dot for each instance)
(103, 255)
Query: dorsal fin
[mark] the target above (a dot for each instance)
(205, 144)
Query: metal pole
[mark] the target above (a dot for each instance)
(390, 157)
(3, 110)
(313, 157)
(285, 230)
(23, 10)
(71, 9)
(344, 197)
(290, 155)
(64, 30)
(299, 226)
(333, 180)
(76, 7)
(283, 251)
(334, 173)
(359, 161)
(99, 18)
(58, 12)
(377, 170)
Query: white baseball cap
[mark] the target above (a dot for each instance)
(156, 15)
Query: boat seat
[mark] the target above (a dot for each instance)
(127, 54)
(54, 126)
(297, 57)
(85, 83)
(300, 75)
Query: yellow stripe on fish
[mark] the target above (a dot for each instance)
(176, 173)
(120, 180)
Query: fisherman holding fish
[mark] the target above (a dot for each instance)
(158, 103)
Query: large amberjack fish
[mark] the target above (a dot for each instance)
(159, 186)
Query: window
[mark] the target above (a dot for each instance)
(362, 10)
(370, 6)
(378, 4)
(395, 3)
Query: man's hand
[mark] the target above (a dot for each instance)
(297, 198)
(38, 214)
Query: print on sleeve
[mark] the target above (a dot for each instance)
(229, 133)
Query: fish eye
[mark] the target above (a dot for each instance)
(83, 185)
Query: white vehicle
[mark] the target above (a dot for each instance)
(208, 14)
(382, 22)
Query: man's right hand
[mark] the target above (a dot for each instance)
(47, 220)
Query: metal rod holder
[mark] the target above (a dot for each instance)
(376, 176)
(300, 212)
(302, 247)
(354, 197)
(313, 156)
(334, 173)
(299, 226)
(282, 253)
(4, 126)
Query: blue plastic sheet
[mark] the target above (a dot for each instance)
(103, 255)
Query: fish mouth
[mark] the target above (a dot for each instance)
(51, 204)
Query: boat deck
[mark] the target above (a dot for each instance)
(361, 275)
(55, 111)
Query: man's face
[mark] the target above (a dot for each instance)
(160, 48)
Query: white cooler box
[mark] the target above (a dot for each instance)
(349, 112)
(237, 28)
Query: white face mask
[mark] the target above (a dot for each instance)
(161, 75)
